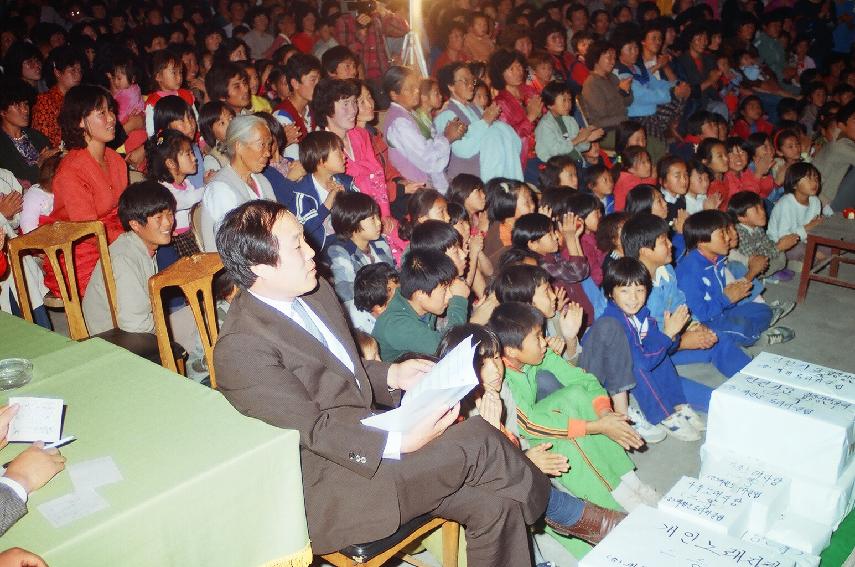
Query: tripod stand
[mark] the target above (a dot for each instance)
(412, 54)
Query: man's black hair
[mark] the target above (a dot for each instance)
(513, 322)
(519, 283)
(142, 200)
(700, 227)
(641, 231)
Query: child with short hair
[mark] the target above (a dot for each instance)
(373, 288)
(674, 184)
(430, 100)
(645, 237)
(799, 210)
(477, 41)
(559, 171)
(38, 198)
(430, 286)
(563, 405)
(166, 72)
(634, 169)
(608, 236)
(588, 210)
(368, 348)
(835, 159)
(627, 351)
(170, 161)
(122, 77)
(699, 182)
(750, 118)
(557, 132)
(747, 210)
(712, 153)
(257, 103)
(788, 151)
(424, 204)
(173, 112)
(703, 277)
(748, 170)
(468, 190)
(600, 183)
(507, 200)
(358, 241)
(214, 120)
(541, 70)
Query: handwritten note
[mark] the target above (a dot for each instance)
(812, 377)
(801, 558)
(450, 380)
(91, 474)
(72, 507)
(38, 419)
(653, 538)
(717, 507)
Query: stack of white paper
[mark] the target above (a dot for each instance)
(811, 377)
(796, 430)
(800, 533)
(713, 506)
(87, 477)
(801, 558)
(447, 383)
(38, 419)
(652, 538)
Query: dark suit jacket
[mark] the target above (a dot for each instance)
(271, 369)
(12, 160)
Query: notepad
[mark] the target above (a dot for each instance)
(71, 507)
(38, 419)
(447, 383)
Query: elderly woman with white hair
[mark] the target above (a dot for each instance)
(248, 145)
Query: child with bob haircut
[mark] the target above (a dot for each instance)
(166, 72)
(799, 210)
(749, 214)
(373, 288)
(173, 112)
(507, 200)
(627, 351)
(171, 161)
(214, 119)
(358, 242)
(703, 277)
(557, 132)
(468, 190)
(608, 236)
(559, 171)
(645, 237)
(712, 153)
(567, 407)
(674, 183)
(430, 286)
(422, 205)
(600, 183)
(635, 168)
(699, 183)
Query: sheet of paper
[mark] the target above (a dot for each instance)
(812, 377)
(94, 473)
(38, 419)
(450, 380)
(71, 507)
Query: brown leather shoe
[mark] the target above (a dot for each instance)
(595, 524)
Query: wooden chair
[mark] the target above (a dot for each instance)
(59, 238)
(52, 240)
(379, 552)
(193, 275)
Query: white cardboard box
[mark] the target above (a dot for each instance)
(652, 538)
(789, 428)
(827, 504)
(801, 558)
(805, 375)
(711, 505)
(800, 533)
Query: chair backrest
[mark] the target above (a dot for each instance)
(56, 241)
(193, 275)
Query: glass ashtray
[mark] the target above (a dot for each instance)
(15, 372)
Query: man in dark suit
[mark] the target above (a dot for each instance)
(286, 356)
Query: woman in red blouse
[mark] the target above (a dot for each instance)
(520, 104)
(91, 177)
(64, 71)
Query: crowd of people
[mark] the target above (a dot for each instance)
(597, 192)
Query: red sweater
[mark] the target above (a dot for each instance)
(625, 183)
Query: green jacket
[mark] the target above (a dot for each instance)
(400, 330)
(596, 462)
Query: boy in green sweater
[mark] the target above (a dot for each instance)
(429, 287)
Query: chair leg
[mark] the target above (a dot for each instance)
(181, 366)
(450, 543)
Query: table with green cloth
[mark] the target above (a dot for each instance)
(202, 484)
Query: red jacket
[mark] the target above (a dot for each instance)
(514, 114)
(742, 129)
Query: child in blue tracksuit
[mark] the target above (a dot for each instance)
(702, 276)
(645, 237)
(653, 379)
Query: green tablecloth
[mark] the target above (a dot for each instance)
(203, 485)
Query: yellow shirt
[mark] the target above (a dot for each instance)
(261, 104)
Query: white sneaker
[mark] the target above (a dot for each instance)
(679, 428)
(649, 432)
(690, 415)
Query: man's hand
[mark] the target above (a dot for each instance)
(33, 468)
(787, 241)
(405, 375)
(490, 408)
(616, 427)
(17, 557)
(11, 203)
(431, 428)
(737, 290)
(6, 414)
(549, 463)
(674, 322)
